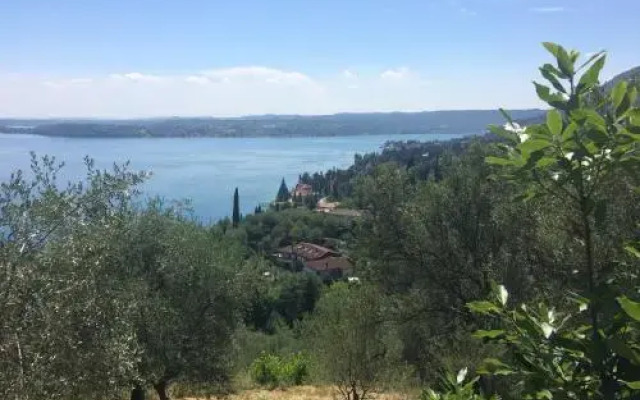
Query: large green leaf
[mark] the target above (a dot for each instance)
(630, 307)
(569, 131)
(598, 136)
(587, 115)
(553, 48)
(483, 307)
(533, 145)
(618, 93)
(624, 106)
(482, 334)
(564, 62)
(590, 59)
(632, 250)
(506, 115)
(544, 93)
(591, 77)
(554, 122)
(549, 72)
(493, 366)
(499, 161)
(633, 385)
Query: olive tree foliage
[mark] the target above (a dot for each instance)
(189, 282)
(65, 331)
(352, 340)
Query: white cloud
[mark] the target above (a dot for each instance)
(395, 74)
(246, 90)
(547, 10)
(348, 74)
(200, 80)
(137, 77)
(257, 74)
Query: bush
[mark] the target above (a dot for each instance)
(274, 371)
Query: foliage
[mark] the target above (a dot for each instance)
(586, 140)
(288, 297)
(283, 192)
(235, 218)
(189, 297)
(554, 356)
(455, 388)
(351, 340)
(270, 230)
(66, 329)
(274, 371)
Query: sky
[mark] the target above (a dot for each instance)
(151, 58)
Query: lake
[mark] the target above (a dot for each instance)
(204, 170)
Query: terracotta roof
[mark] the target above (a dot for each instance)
(308, 251)
(329, 264)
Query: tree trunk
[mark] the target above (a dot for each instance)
(138, 393)
(354, 391)
(161, 388)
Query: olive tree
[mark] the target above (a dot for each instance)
(352, 340)
(189, 304)
(65, 330)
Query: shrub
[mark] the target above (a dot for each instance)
(273, 371)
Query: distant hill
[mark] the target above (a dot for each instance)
(454, 122)
(632, 76)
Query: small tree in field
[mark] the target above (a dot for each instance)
(352, 341)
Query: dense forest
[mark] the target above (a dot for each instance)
(498, 267)
(471, 121)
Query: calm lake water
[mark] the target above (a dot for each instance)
(204, 170)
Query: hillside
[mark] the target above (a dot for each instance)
(632, 75)
(465, 121)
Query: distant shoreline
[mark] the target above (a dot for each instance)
(338, 125)
(240, 137)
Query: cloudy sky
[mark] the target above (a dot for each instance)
(143, 58)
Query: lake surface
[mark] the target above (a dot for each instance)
(204, 170)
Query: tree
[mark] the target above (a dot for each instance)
(588, 145)
(235, 219)
(66, 328)
(189, 301)
(283, 192)
(352, 341)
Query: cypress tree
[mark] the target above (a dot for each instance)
(235, 219)
(283, 192)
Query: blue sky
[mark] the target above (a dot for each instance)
(126, 58)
